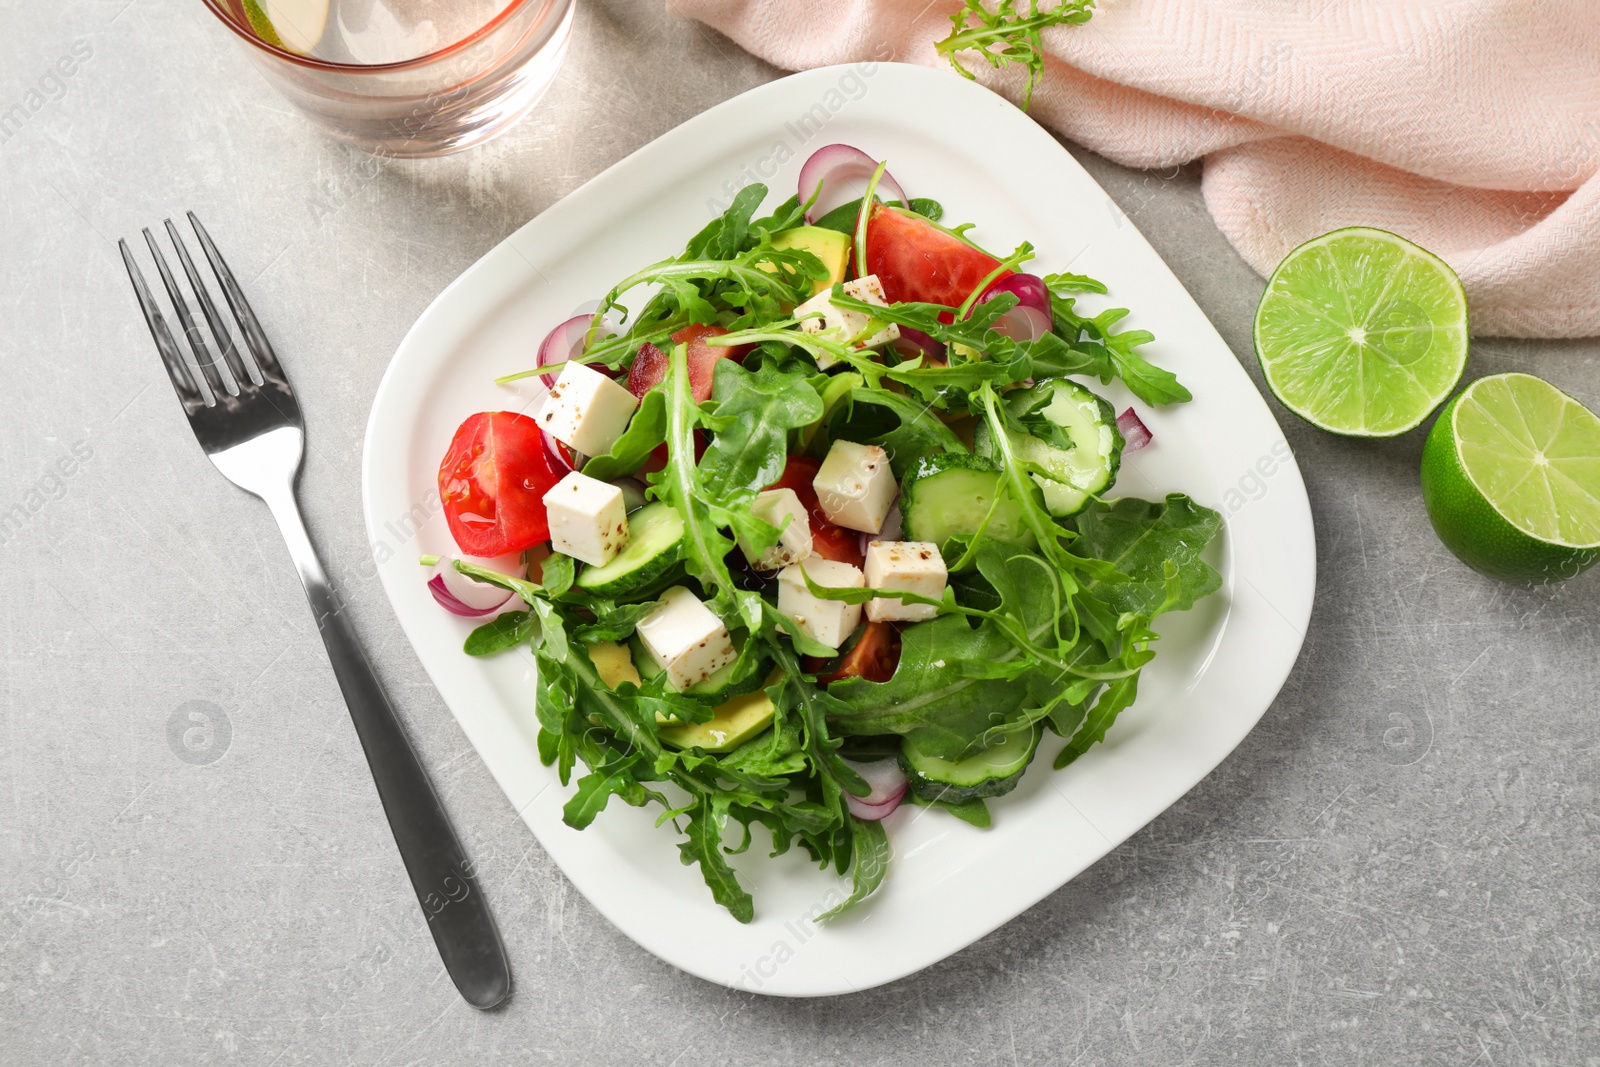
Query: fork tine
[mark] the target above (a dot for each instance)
(255, 337)
(191, 327)
(242, 375)
(190, 396)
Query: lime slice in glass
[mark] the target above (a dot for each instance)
(1362, 333)
(293, 25)
(1511, 478)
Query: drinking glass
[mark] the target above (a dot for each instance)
(406, 78)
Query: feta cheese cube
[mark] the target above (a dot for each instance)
(586, 410)
(825, 621)
(841, 324)
(686, 639)
(794, 543)
(910, 566)
(855, 486)
(588, 520)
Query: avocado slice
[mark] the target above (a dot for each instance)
(734, 723)
(830, 246)
(613, 663)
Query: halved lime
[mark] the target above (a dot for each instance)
(1362, 333)
(1511, 477)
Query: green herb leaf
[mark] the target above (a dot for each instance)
(646, 431)
(1007, 35)
(755, 410)
(869, 862)
(1117, 697)
(918, 433)
(500, 633)
(1140, 538)
(704, 846)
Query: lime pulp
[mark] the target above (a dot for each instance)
(1362, 333)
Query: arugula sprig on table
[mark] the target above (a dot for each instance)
(1054, 632)
(1009, 34)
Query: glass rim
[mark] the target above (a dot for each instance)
(216, 7)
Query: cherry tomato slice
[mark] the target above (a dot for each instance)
(916, 260)
(874, 657)
(649, 366)
(493, 480)
(827, 540)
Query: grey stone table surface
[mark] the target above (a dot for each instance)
(1398, 866)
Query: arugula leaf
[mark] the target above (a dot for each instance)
(1139, 538)
(726, 235)
(704, 846)
(1007, 35)
(646, 430)
(556, 573)
(500, 633)
(1064, 283)
(1116, 697)
(778, 753)
(930, 695)
(918, 432)
(869, 862)
(594, 791)
(614, 622)
(973, 811)
(755, 410)
(1108, 354)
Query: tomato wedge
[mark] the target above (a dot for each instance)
(827, 540)
(649, 368)
(916, 260)
(874, 657)
(493, 480)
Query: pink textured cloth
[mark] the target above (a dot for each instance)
(1470, 126)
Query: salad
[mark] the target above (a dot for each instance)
(820, 523)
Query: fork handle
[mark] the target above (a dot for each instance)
(441, 874)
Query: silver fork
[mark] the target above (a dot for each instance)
(249, 424)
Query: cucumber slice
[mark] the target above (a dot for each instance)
(948, 495)
(655, 541)
(1087, 468)
(734, 679)
(991, 773)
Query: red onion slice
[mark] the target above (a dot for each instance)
(469, 597)
(1023, 323)
(843, 173)
(566, 341)
(448, 602)
(1029, 289)
(872, 812)
(1030, 319)
(888, 783)
(1135, 434)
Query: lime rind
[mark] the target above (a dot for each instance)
(1362, 333)
(260, 24)
(292, 25)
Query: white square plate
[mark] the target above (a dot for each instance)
(1219, 666)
